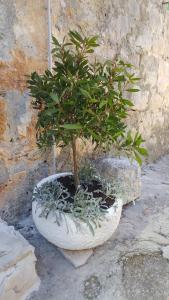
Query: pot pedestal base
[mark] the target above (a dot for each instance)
(77, 257)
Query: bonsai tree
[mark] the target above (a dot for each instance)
(84, 98)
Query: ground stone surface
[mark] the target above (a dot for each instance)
(146, 277)
(130, 266)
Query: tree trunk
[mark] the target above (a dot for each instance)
(75, 167)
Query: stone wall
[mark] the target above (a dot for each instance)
(23, 48)
(138, 31)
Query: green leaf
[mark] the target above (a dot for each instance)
(138, 139)
(128, 102)
(102, 103)
(129, 139)
(136, 79)
(90, 227)
(71, 126)
(93, 41)
(143, 151)
(76, 39)
(138, 158)
(54, 97)
(90, 112)
(55, 41)
(132, 90)
(50, 112)
(90, 51)
(85, 93)
(120, 78)
(76, 35)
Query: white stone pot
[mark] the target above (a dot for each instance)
(68, 235)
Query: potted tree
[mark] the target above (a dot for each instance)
(81, 98)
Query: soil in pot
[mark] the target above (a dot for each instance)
(93, 186)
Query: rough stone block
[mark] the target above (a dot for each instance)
(125, 175)
(77, 258)
(18, 277)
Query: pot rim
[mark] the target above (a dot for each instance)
(118, 201)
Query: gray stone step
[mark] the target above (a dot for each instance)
(18, 276)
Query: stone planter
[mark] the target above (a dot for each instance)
(68, 235)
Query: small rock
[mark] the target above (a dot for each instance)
(124, 174)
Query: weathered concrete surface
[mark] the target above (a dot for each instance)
(23, 40)
(131, 266)
(124, 174)
(18, 277)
